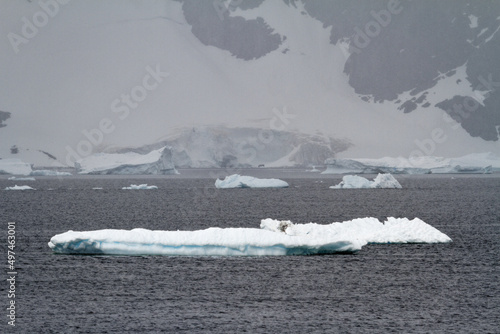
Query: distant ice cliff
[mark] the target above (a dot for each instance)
(155, 162)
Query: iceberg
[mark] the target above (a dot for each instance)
(15, 167)
(16, 187)
(273, 238)
(139, 187)
(45, 172)
(477, 163)
(386, 181)
(238, 181)
(13, 178)
(155, 162)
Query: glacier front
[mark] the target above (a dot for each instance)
(14, 167)
(130, 163)
(478, 163)
(273, 238)
(46, 172)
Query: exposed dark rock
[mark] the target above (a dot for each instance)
(212, 25)
(3, 117)
(408, 106)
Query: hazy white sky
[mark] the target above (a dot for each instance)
(134, 71)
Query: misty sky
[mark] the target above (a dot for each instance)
(135, 71)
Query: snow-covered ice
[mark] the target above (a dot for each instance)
(273, 238)
(16, 187)
(143, 186)
(46, 172)
(14, 166)
(367, 230)
(358, 182)
(14, 178)
(155, 162)
(238, 181)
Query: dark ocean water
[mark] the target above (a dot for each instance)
(441, 288)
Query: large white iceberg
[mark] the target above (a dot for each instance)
(357, 182)
(478, 163)
(15, 167)
(155, 162)
(140, 187)
(238, 181)
(16, 187)
(274, 238)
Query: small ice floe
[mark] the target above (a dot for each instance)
(140, 187)
(16, 187)
(14, 178)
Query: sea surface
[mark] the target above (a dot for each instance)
(393, 288)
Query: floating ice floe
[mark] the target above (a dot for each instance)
(140, 187)
(46, 172)
(358, 182)
(16, 187)
(13, 178)
(238, 181)
(273, 238)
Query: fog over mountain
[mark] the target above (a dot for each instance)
(384, 78)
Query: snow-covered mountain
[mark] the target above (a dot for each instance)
(391, 78)
(216, 146)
